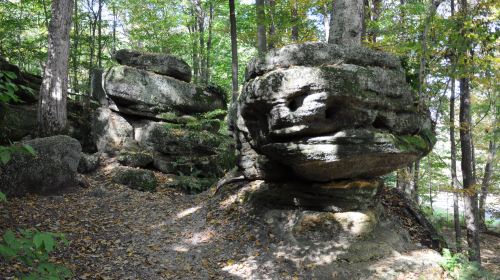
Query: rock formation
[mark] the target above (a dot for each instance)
(152, 117)
(317, 124)
(51, 170)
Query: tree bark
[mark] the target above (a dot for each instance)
(272, 28)
(234, 51)
(488, 173)
(52, 116)
(75, 48)
(327, 18)
(454, 180)
(416, 178)
(469, 181)
(261, 27)
(295, 21)
(99, 34)
(453, 151)
(209, 42)
(347, 23)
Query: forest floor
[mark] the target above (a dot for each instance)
(119, 233)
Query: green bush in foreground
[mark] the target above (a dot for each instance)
(32, 248)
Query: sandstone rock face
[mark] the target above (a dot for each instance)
(152, 117)
(162, 64)
(51, 170)
(143, 91)
(323, 112)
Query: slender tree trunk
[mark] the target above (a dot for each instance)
(454, 180)
(99, 34)
(271, 38)
(52, 116)
(261, 27)
(416, 178)
(295, 21)
(200, 21)
(327, 18)
(377, 9)
(209, 42)
(469, 181)
(234, 51)
(75, 48)
(488, 173)
(429, 170)
(347, 23)
(195, 42)
(115, 18)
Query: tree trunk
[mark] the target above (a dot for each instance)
(272, 28)
(200, 21)
(75, 48)
(115, 18)
(261, 27)
(469, 181)
(454, 180)
(416, 178)
(234, 50)
(347, 23)
(52, 117)
(327, 18)
(295, 21)
(377, 9)
(209, 42)
(488, 173)
(99, 34)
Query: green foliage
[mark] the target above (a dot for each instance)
(8, 88)
(6, 152)
(32, 248)
(191, 184)
(459, 267)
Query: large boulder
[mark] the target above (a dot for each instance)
(158, 63)
(328, 112)
(142, 91)
(51, 170)
(110, 130)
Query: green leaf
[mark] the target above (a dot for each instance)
(9, 238)
(10, 75)
(7, 252)
(44, 239)
(3, 197)
(4, 156)
(29, 149)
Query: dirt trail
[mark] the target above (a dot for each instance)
(119, 233)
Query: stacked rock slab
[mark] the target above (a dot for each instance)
(317, 124)
(149, 111)
(322, 112)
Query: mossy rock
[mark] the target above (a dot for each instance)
(191, 184)
(135, 159)
(138, 179)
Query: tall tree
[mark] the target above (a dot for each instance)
(52, 116)
(488, 173)
(234, 51)
(453, 154)
(295, 20)
(261, 26)
(347, 22)
(272, 27)
(469, 181)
